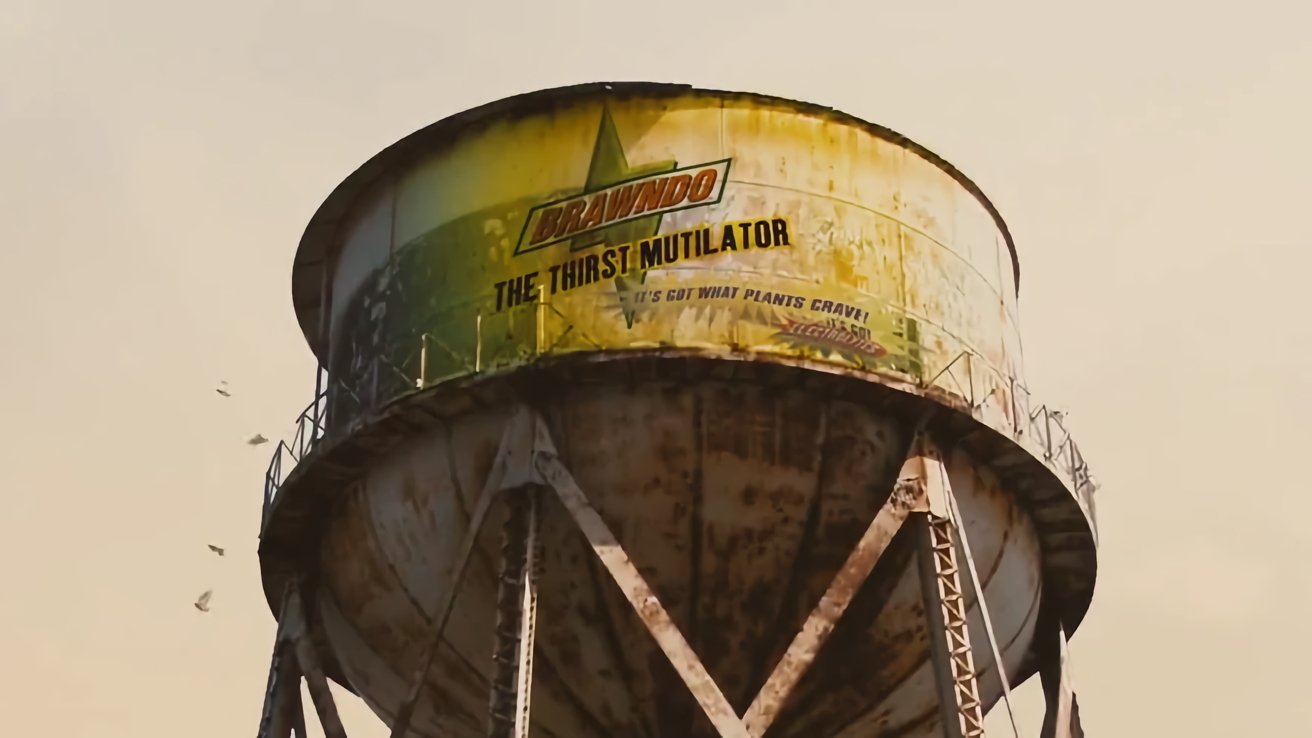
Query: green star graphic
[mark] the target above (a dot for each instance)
(610, 166)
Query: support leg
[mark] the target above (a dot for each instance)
(1062, 717)
(276, 719)
(308, 660)
(512, 681)
(282, 713)
(949, 635)
(978, 586)
(291, 718)
(945, 603)
(294, 656)
(815, 631)
(529, 617)
(298, 712)
(507, 468)
(527, 460)
(640, 595)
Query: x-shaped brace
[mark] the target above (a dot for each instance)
(527, 458)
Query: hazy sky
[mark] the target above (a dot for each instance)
(159, 160)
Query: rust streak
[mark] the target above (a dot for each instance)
(307, 659)
(480, 558)
(398, 583)
(640, 596)
(807, 643)
(810, 526)
(387, 715)
(918, 725)
(611, 637)
(467, 547)
(697, 529)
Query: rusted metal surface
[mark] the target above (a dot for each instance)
(950, 642)
(944, 590)
(320, 245)
(890, 263)
(644, 601)
(737, 531)
(513, 447)
(512, 684)
(975, 588)
(273, 723)
(282, 694)
(815, 631)
(1062, 719)
(307, 662)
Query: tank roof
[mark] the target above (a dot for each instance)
(318, 246)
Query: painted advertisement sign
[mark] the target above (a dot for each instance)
(696, 223)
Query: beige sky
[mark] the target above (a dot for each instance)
(158, 163)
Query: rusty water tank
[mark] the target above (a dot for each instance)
(731, 310)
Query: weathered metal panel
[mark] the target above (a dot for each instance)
(737, 504)
(798, 233)
(365, 252)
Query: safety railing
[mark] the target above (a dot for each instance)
(423, 360)
(412, 364)
(1001, 401)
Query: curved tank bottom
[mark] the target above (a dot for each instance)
(738, 503)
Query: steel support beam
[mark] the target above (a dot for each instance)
(1062, 716)
(307, 658)
(276, 720)
(509, 470)
(961, 711)
(640, 595)
(294, 658)
(905, 498)
(527, 464)
(820, 623)
(517, 595)
(977, 585)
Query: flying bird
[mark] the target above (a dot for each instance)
(223, 389)
(257, 439)
(215, 549)
(203, 602)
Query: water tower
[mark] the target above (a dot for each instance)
(650, 411)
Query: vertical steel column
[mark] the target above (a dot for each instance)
(294, 657)
(1062, 717)
(324, 285)
(510, 471)
(949, 635)
(978, 586)
(512, 679)
(906, 497)
(275, 721)
(307, 658)
(322, 382)
(945, 603)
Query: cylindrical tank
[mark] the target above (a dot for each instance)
(732, 311)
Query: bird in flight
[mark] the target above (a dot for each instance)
(257, 439)
(215, 549)
(203, 602)
(223, 389)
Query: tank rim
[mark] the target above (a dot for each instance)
(318, 247)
